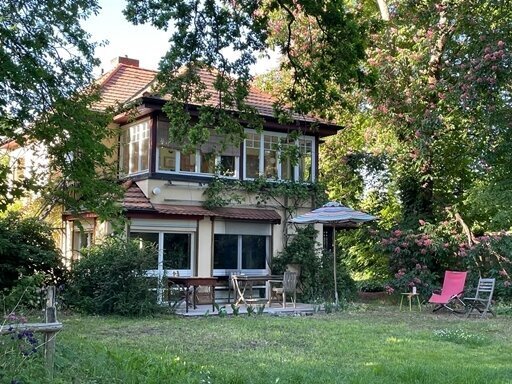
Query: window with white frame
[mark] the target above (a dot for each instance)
(174, 251)
(252, 155)
(134, 151)
(266, 155)
(213, 157)
(305, 166)
(83, 237)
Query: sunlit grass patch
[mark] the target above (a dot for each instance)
(460, 336)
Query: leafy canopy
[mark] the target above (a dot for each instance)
(433, 128)
(46, 98)
(227, 36)
(26, 249)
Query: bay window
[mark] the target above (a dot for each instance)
(270, 155)
(134, 151)
(213, 157)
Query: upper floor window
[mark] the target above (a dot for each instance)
(270, 155)
(267, 155)
(134, 153)
(210, 158)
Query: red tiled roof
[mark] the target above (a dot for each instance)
(135, 201)
(127, 83)
(248, 214)
(185, 210)
(262, 102)
(120, 84)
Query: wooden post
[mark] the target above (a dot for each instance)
(50, 328)
(49, 337)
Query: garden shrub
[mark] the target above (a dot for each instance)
(360, 257)
(316, 276)
(27, 248)
(110, 278)
(371, 285)
(420, 258)
(491, 256)
(26, 295)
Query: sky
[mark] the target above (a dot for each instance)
(142, 42)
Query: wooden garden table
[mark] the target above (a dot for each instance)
(193, 282)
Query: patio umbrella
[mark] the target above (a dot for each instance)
(338, 216)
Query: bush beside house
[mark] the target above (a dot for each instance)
(316, 268)
(111, 279)
(29, 259)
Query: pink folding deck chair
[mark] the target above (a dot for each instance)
(451, 293)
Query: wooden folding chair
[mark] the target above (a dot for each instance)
(289, 287)
(483, 298)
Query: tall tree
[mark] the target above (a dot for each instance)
(444, 84)
(437, 118)
(47, 101)
(228, 36)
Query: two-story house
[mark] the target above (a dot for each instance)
(164, 185)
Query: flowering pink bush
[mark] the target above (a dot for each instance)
(420, 258)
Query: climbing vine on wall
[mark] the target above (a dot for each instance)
(287, 195)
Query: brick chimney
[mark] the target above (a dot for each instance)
(125, 60)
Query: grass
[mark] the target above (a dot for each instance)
(364, 345)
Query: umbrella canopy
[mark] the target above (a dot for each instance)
(336, 215)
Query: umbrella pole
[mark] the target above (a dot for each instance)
(334, 270)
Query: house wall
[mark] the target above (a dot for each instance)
(204, 249)
(183, 193)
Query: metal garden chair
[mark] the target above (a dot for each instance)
(450, 296)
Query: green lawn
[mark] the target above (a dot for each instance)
(367, 345)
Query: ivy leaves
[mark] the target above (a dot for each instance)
(286, 194)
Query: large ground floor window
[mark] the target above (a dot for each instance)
(174, 252)
(240, 253)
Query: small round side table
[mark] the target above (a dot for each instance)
(410, 296)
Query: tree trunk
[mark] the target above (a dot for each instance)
(383, 7)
